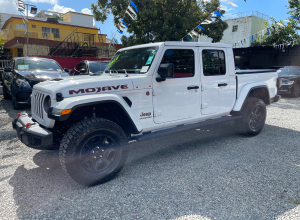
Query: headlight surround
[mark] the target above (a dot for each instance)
(47, 103)
(23, 83)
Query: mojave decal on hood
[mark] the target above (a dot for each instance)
(83, 85)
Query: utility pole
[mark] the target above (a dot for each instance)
(33, 11)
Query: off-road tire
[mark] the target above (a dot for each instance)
(77, 138)
(6, 95)
(296, 91)
(253, 112)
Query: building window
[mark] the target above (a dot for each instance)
(20, 27)
(33, 26)
(213, 62)
(183, 60)
(55, 32)
(47, 30)
(234, 28)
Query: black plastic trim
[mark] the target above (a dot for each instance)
(255, 71)
(182, 128)
(65, 117)
(29, 137)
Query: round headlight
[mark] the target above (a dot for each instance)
(47, 103)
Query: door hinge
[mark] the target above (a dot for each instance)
(203, 87)
(203, 105)
(157, 113)
(156, 92)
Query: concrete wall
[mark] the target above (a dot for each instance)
(247, 26)
(81, 20)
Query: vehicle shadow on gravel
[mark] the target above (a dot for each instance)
(212, 172)
(7, 106)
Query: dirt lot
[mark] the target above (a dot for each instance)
(208, 174)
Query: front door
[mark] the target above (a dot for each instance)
(178, 97)
(214, 81)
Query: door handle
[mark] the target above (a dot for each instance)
(222, 84)
(192, 87)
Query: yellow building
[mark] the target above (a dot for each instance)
(49, 34)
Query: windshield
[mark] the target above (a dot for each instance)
(133, 61)
(37, 64)
(98, 67)
(288, 72)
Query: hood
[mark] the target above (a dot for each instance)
(38, 74)
(82, 85)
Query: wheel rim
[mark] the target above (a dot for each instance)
(98, 153)
(256, 117)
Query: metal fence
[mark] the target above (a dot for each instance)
(246, 14)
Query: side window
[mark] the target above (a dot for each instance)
(213, 62)
(82, 66)
(183, 60)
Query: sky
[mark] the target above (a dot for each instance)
(274, 8)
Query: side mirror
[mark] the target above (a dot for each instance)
(7, 69)
(82, 71)
(66, 70)
(165, 70)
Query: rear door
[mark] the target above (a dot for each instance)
(178, 97)
(215, 80)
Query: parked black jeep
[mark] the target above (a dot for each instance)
(290, 76)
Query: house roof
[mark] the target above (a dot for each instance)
(48, 23)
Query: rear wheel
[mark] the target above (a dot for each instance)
(296, 91)
(253, 119)
(91, 151)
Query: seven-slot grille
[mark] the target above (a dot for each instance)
(37, 100)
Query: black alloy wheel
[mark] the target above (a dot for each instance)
(92, 151)
(97, 153)
(253, 119)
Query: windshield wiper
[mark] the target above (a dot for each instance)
(125, 72)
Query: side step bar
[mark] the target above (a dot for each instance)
(181, 128)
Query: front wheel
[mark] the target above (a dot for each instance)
(253, 119)
(91, 151)
(296, 91)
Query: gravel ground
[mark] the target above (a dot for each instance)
(208, 174)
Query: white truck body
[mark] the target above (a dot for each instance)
(169, 103)
(147, 91)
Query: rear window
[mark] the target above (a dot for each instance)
(213, 62)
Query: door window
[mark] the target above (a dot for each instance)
(213, 62)
(183, 60)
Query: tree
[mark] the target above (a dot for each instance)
(279, 35)
(163, 20)
(283, 35)
(294, 6)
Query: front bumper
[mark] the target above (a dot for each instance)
(34, 136)
(284, 89)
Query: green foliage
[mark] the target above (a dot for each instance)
(287, 34)
(162, 20)
(294, 6)
(57, 17)
(279, 35)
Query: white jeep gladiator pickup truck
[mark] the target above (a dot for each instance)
(146, 91)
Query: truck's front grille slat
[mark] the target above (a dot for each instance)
(37, 104)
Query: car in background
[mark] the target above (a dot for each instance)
(290, 76)
(24, 73)
(87, 67)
